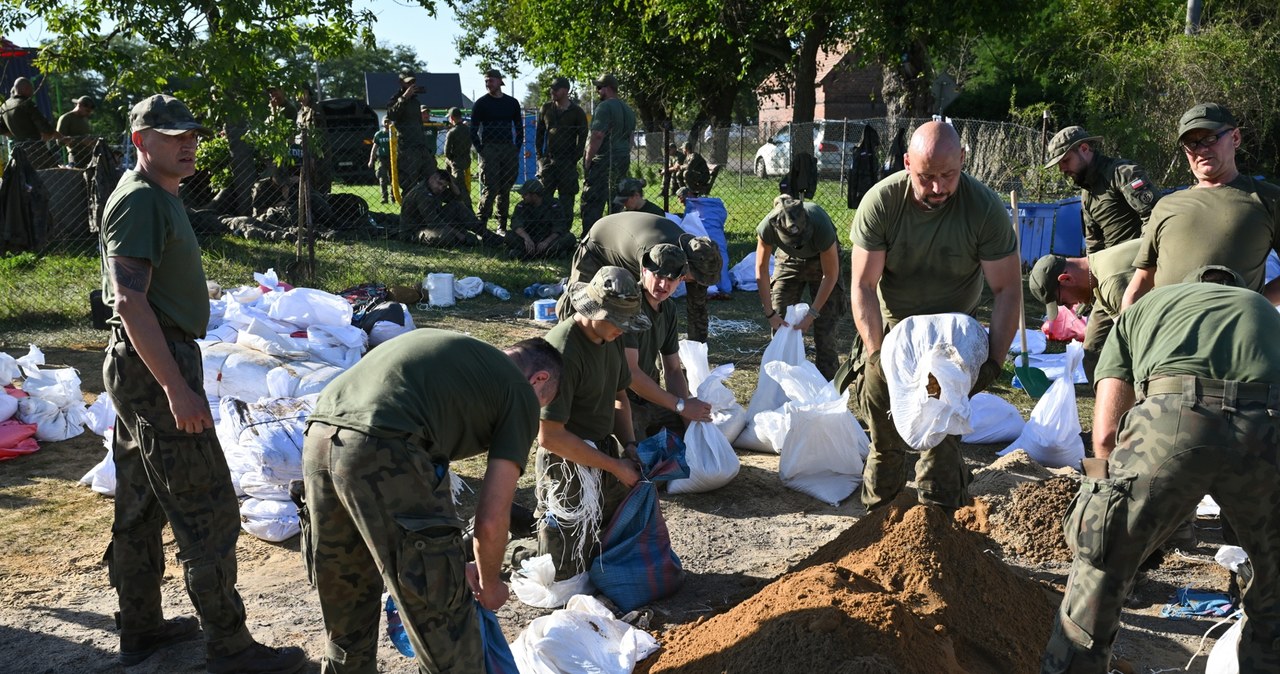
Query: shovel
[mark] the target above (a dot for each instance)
(1033, 380)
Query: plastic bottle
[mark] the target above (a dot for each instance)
(549, 290)
(395, 628)
(497, 291)
(534, 290)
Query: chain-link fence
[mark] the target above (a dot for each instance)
(330, 215)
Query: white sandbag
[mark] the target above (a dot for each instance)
(53, 423)
(993, 419)
(340, 345)
(535, 583)
(582, 637)
(1225, 656)
(271, 530)
(1054, 366)
(469, 287)
(259, 337)
(59, 386)
(743, 274)
(244, 295)
(298, 378)
(8, 406)
(232, 370)
(942, 352)
(305, 307)
(99, 416)
(712, 461)
(727, 414)
(822, 445)
(9, 369)
(31, 362)
(385, 330)
(1052, 434)
(223, 333)
(102, 477)
(1037, 342)
(263, 443)
(217, 314)
(239, 315)
(787, 346)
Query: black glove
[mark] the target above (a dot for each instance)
(987, 375)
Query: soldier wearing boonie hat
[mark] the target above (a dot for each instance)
(1116, 195)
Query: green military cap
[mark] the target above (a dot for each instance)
(607, 80)
(705, 260)
(1066, 140)
(560, 83)
(1211, 116)
(612, 295)
(666, 260)
(532, 186)
(494, 73)
(788, 218)
(407, 76)
(85, 101)
(1043, 282)
(1216, 273)
(165, 114)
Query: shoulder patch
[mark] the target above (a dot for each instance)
(1137, 184)
(1146, 197)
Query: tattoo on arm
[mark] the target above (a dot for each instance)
(130, 273)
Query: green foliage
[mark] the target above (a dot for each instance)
(15, 262)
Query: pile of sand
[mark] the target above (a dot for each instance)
(1005, 473)
(904, 590)
(1029, 525)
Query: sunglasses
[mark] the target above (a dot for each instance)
(1206, 142)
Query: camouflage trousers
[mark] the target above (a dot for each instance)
(163, 473)
(791, 276)
(1188, 437)
(382, 168)
(562, 541)
(498, 167)
(560, 178)
(941, 475)
(412, 162)
(378, 511)
(1095, 337)
(600, 186)
(695, 309)
(514, 244)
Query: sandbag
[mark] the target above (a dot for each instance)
(305, 307)
(743, 274)
(822, 445)
(273, 521)
(340, 345)
(263, 443)
(259, 337)
(1052, 434)
(726, 413)
(8, 406)
(993, 419)
(711, 459)
(582, 637)
(787, 346)
(58, 386)
(53, 423)
(535, 583)
(9, 369)
(930, 363)
(385, 330)
(1225, 656)
(232, 370)
(102, 477)
(295, 379)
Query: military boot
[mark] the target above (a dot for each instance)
(259, 659)
(134, 648)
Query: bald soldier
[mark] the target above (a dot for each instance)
(22, 121)
(923, 241)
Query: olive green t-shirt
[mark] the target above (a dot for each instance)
(1201, 329)
(71, 124)
(933, 261)
(1115, 202)
(621, 240)
(455, 394)
(593, 374)
(143, 221)
(662, 339)
(1113, 268)
(1235, 225)
(23, 119)
(617, 121)
(819, 237)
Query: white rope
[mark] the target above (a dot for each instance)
(456, 485)
(724, 326)
(1206, 635)
(582, 517)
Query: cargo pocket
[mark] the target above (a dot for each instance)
(432, 564)
(297, 494)
(1099, 506)
(181, 462)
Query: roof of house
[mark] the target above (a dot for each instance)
(442, 90)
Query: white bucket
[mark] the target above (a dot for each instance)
(544, 310)
(439, 290)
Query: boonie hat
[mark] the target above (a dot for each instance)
(612, 295)
(494, 73)
(1216, 273)
(1065, 141)
(1043, 282)
(607, 80)
(789, 218)
(666, 260)
(165, 114)
(407, 76)
(532, 186)
(1211, 116)
(705, 260)
(560, 83)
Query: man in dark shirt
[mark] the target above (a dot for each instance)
(561, 134)
(497, 131)
(631, 198)
(539, 227)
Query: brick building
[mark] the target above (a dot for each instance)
(844, 91)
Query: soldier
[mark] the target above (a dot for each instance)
(380, 157)
(457, 152)
(808, 255)
(694, 173)
(279, 106)
(1226, 218)
(405, 112)
(654, 406)
(435, 214)
(539, 228)
(561, 135)
(169, 465)
(631, 198)
(608, 153)
(1099, 279)
(498, 136)
(923, 240)
(379, 509)
(675, 166)
(1188, 403)
(624, 244)
(77, 133)
(1116, 195)
(22, 121)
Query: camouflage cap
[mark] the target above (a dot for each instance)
(1043, 282)
(612, 295)
(407, 76)
(532, 186)
(788, 218)
(705, 259)
(1211, 116)
(607, 80)
(666, 260)
(1066, 140)
(1216, 273)
(165, 114)
(560, 83)
(494, 73)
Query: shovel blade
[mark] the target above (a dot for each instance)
(1033, 380)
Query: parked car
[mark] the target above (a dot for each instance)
(349, 127)
(830, 148)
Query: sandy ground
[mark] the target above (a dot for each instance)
(56, 606)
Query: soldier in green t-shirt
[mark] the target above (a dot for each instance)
(608, 153)
(379, 508)
(539, 228)
(923, 241)
(435, 214)
(380, 158)
(77, 133)
(654, 406)
(1188, 403)
(1099, 279)
(457, 152)
(22, 121)
(1226, 218)
(808, 256)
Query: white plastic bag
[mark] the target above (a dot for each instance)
(31, 362)
(269, 280)
(726, 413)
(712, 461)
(259, 337)
(582, 637)
(993, 419)
(937, 351)
(340, 345)
(385, 330)
(59, 386)
(8, 406)
(9, 369)
(53, 423)
(535, 583)
(232, 370)
(822, 445)
(102, 477)
(299, 378)
(744, 273)
(272, 521)
(787, 346)
(1052, 435)
(469, 287)
(1225, 656)
(100, 416)
(305, 307)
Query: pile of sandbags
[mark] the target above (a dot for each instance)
(262, 441)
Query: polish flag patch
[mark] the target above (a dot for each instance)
(1137, 184)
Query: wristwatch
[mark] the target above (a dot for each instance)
(679, 405)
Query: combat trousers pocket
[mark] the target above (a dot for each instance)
(1099, 506)
(432, 564)
(181, 462)
(297, 494)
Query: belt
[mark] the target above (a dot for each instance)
(1214, 388)
(170, 334)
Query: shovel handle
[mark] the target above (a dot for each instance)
(1022, 307)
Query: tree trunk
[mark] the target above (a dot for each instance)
(653, 117)
(906, 88)
(806, 88)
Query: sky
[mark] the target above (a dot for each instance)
(398, 22)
